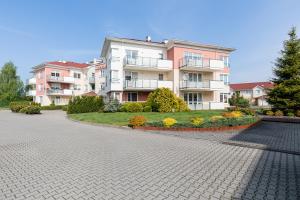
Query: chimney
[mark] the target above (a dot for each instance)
(148, 38)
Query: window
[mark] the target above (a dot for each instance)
(194, 77)
(192, 56)
(224, 78)
(224, 97)
(114, 75)
(226, 60)
(161, 56)
(55, 74)
(55, 86)
(160, 77)
(57, 100)
(193, 98)
(131, 75)
(77, 87)
(257, 91)
(132, 96)
(131, 54)
(77, 75)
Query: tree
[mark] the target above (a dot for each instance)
(11, 87)
(286, 93)
(238, 101)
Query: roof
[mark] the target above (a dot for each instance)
(169, 44)
(89, 94)
(248, 86)
(67, 64)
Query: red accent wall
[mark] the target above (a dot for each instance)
(142, 96)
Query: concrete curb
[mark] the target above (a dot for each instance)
(283, 119)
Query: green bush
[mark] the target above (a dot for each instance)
(290, 114)
(147, 109)
(132, 107)
(182, 106)
(269, 113)
(297, 113)
(31, 109)
(84, 104)
(246, 111)
(65, 108)
(278, 113)
(16, 106)
(239, 101)
(164, 100)
(112, 106)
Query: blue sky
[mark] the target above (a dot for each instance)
(33, 31)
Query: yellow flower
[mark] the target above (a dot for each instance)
(168, 122)
(197, 121)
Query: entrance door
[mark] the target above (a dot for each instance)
(194, 100)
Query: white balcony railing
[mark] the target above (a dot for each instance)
(66, 92)
(147, 84)
(92, 80)
(61, 79)
(31, 81)
(147, 62)
(209, 105)
(202, 63)
(31, 93)
(210, 85)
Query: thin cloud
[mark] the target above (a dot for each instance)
(15, 31)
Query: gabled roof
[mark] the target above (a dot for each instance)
(249, 86)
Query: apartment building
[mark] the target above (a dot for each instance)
(56, 82)
(255, 92)
(196, 72)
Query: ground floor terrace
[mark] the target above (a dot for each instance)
(196, 100)
(81, 161)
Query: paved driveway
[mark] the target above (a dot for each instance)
(49, 157)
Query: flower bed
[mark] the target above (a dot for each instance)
(228, 121)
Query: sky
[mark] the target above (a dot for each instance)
(34, 31)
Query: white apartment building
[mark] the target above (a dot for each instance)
(196, 72)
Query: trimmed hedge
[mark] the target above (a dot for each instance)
(52, 107)
(84, 104)
(132, 107)
(31, 109)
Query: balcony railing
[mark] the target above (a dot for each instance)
(148, 62)
(66, 92)
(147, 84)
(210, 85)
(202, 63)
(31, 93)
(208, 105)
(61, 79)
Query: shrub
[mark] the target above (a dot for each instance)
(16, 106)
(297, 113)
(216, 118)
(52, 107)
(137, 121)
(31, 109)
(182, 106)
(197, 121)
(164, 100)
(84, 104)
(132, 107)
(238, 101)
(147, 109)
(278, 113)
(269, 113)
(233, 114)
(112, 106)
(65, 108)
(168, 122)
(290, 114)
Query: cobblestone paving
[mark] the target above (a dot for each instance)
(50, 157)
(267, 135)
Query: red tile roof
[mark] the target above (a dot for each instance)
(248, 86)
(68, 64)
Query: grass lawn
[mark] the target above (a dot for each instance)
(122, 118)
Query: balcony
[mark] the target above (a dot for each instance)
(149, 64)
(31, 93)
(203, 85)
(92, 80)
(59, 92)
(31, 81)
(203, 64)
(60, 79)
(142, 84)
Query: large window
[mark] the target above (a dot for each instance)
(114, 75)
(160, 77)
(226, 60)
(224, 97)
(131, 75)
(195, 77)
(55, 86)
(77, 75)
(132, 96)
(192, 98)
(55, 74)
(224, 78)
(131, 54)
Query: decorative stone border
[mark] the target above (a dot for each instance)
(224, 128)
